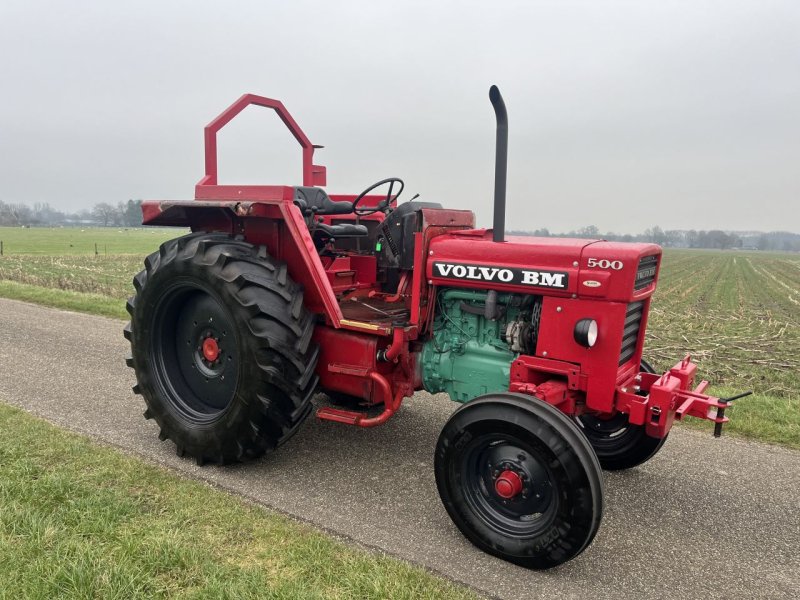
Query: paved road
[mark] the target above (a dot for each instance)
(704, 519)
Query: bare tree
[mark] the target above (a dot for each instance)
(104, 213)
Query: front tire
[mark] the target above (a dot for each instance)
(519, 480)
(221, 346)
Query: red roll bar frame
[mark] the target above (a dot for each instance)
(313, 175)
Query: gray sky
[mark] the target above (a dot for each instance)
(623, 115)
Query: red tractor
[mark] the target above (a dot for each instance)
(283, 291)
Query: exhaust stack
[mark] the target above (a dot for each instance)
(500, 165)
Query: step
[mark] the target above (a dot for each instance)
(338, 415)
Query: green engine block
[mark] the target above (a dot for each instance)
(467, 355)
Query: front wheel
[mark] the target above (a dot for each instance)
(519, 480)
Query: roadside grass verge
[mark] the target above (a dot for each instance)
(95, 304)
(758, 417)
(78, 520)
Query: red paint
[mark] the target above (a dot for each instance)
(210, 349)
(508, 484)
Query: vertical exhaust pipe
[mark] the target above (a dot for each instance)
(500, 165)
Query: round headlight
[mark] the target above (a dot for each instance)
(586, 332)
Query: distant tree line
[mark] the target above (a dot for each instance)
(680, 238)
(129, 214)
(41, 214)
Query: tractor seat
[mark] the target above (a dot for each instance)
(344, 230)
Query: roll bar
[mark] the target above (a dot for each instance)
(313, 175)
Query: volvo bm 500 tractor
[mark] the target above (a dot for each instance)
(282, 291)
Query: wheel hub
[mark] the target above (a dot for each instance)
(197, 341)
(508, 484)
(210, 349)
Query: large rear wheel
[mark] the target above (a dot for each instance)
(221, 346)
(519, 480)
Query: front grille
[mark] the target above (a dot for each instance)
(630, 334)
(645, 272)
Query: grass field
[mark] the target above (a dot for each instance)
(738, 314)
(58, 266)
(81, 521)
(77, 241)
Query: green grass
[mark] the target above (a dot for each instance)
(761, 417)
(78, 520)
(58, 266)
(95, 304)
(61, 241)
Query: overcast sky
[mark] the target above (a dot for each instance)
(624, 115)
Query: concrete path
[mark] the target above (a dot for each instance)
(704, 519)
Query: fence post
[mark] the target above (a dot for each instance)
(95, 249)
(1, 247)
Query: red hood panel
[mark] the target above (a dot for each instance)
(537, 265)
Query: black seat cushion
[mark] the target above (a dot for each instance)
(344, 230)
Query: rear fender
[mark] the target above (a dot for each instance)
(278, 225)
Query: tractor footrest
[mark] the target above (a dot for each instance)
(348, 417)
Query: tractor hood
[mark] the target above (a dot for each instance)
(543, 265)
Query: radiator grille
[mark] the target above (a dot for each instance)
(630, 334)
(645, 272)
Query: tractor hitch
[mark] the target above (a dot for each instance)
(656, 401)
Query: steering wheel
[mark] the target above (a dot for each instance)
(383, 203)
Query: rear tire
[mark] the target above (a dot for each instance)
(549, 506)
(221, 346)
